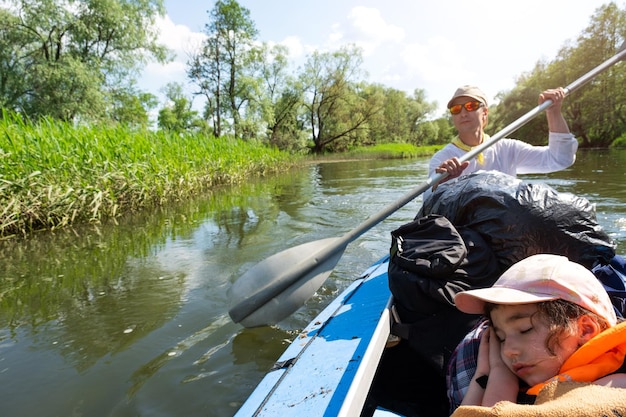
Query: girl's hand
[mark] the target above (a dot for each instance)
(483, 360)
(475, 391)
(503, 384)
(495, 354)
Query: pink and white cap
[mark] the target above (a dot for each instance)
(542, 278)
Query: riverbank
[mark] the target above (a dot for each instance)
(53, 174)
(383, 151)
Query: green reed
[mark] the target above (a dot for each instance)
(53, 174)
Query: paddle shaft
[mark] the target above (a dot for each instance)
(308, 263)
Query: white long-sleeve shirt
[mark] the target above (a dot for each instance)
(512, 156)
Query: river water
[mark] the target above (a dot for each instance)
(130, 319)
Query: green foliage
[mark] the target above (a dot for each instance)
(222, 67)
(177, 116)
(279, 100)
(329, 102)
(130, 107)
(403, 118)
(53, 174)
(619, 143)
(249, 93)
(434, 132)
(336, 107)
(393, 151)
(249, 86)
(66, 60)
(597, 112)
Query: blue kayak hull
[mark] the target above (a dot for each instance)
(328, 369)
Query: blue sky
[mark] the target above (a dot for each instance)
(432, 45)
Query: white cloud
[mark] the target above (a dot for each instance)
(368, 23)
(172, 70)
(182, 42)
(178, 38)
(367, 29)
(295, 46)
(437, 59)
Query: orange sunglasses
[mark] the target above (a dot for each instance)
(469, 106)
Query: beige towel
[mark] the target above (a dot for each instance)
(559, 399)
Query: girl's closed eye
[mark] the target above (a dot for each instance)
(528, 330)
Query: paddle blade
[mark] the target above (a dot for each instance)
(276, 287)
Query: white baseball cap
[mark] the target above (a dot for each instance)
(471, 92)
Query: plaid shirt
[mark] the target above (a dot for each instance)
(463, 365)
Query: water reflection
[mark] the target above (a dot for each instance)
(89, 294)
(119, 303)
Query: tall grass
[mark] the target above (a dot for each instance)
(53, 174)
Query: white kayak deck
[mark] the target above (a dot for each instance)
(328, 369)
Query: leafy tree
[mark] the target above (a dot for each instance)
(12, 65)
(285, 128)
(334, 109)
(131, 107)
(391, 124)
(353, 121)
(178, 115)
(401, 118)
(596, 113)
(417, 112)
(444, 130)
(62, 57)
(279, 99)
(220, 67)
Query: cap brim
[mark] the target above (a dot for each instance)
(473, 301)
(472, 96)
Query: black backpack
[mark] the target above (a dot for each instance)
(431, 260)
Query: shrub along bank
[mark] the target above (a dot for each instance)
(53, 174)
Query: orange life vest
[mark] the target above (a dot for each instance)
(600, 356)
